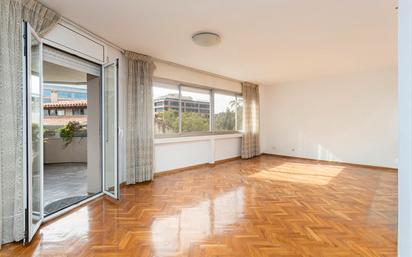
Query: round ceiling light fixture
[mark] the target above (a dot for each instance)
(206, 38)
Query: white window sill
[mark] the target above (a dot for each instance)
(181, 139)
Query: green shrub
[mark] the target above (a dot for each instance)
(70, 130)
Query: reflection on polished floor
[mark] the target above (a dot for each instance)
(268, 206)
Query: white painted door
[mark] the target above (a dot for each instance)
(33, 130)
(110, 129)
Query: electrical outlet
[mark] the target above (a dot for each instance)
(293, 149)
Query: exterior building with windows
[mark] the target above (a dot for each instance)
(64, 103)
(60, 113)
(59, 92)
(171, 102)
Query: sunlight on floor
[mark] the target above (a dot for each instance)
(308, 174)
(77, 223)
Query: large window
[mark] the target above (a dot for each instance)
(182, 109)
(195, 109)
(228, 112)
(60, 112)
(166, 108)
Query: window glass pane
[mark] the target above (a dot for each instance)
(46, 93)
(166, 108)
(80, 96)
(195, 109)
(239, 106)
(64, 95)
(225, 112)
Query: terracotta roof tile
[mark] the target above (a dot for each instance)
(76, 103)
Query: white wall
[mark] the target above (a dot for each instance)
(227, 148)
(405, 131)
(56, 152)
(175, 153)
(94, 177)
(350, 118)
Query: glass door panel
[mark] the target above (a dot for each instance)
(110, 130)
(34, 131)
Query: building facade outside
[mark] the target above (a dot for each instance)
(195, 114)
(64, 103)
(61, 112)
(171, 102)
(62, 92)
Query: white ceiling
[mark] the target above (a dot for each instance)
(263, 41)
(56, 73)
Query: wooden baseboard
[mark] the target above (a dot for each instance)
(334, 162)
(198, 166)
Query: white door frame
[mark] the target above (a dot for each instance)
(116, 193)
(405, 128)
(31, 230)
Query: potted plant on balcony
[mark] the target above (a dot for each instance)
(69, 131)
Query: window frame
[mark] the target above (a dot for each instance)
(228, 93)
(212, 91)
(61, 112)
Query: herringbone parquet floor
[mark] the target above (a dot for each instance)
(268, 206)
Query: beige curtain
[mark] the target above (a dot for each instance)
(139, 118)
(251, 120)
(42, 19)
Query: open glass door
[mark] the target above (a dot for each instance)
(110, 129)
(33, 130)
